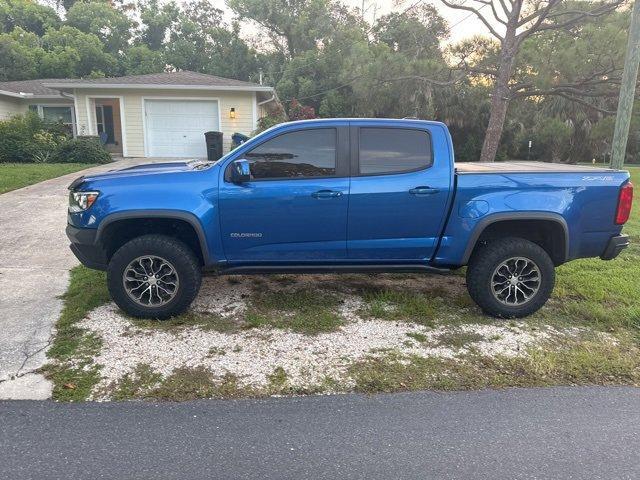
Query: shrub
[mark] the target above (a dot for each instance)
(275, 116)
(46, 145)
(82, 150)
(267, 122)
(297, 111)
(28, 138)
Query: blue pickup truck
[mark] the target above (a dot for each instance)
(345, 195)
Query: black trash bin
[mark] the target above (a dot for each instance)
(214, 145)
(238, 139)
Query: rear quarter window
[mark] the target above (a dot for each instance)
(393, 150)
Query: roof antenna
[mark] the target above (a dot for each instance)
(260, 72)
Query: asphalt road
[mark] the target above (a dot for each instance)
(560, 433)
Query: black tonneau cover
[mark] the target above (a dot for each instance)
(525, 167)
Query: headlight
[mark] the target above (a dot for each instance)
(80, 201)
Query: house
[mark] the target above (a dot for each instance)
(154, 115)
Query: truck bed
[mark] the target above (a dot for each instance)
(526, 167)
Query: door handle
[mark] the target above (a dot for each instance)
(326, 194)
(423, 191)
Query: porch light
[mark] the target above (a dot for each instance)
(232, 113)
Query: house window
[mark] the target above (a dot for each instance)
(54, 113)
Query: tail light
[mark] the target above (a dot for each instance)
(625, 199)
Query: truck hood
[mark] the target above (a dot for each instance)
(142, 170)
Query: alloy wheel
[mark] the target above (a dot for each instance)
(150, 281)
(516, 281)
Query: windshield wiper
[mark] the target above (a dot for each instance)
(198, 164)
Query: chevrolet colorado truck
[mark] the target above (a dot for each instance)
(345, 195)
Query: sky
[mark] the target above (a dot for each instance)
(466, 28)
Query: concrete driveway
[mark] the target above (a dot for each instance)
(34, 271)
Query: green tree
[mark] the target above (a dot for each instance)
(294, 26)
(601, 135)
(192, 37)
(67, 4)
(570, 77)
(364, 71)
(465, 109)
(99, 18)
(579, 65)
(415, 33)
(157, 22)
(552, 138)
(200, 40)
(140, 59)
(28, 15)
(72, 53)
(20, 55)
(414, 37)
(324, 77)
(511, 23)
(231, 56)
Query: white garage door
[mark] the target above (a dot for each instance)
(175, 128)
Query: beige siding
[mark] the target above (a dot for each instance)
(82, 122)
(243, 123)
(133, 127)
(10, 107)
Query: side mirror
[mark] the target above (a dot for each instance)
(240, 171)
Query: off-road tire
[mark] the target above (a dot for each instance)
(488, 257)
(181, 258)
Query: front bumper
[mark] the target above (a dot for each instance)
(84, 247)
(615, 246)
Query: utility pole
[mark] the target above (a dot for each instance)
(627, 91)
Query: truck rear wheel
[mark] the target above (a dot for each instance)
(510, 278)
(154, 276)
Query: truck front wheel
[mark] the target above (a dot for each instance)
(153, 276)
(510, 278)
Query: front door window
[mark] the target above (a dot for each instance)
(302, 154)
(104, 123)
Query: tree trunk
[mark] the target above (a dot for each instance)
(499, 104)
(501, 92)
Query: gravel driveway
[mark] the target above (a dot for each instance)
(34, 271)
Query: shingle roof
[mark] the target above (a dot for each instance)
(184, 78)
(168, 78)
(34, 87)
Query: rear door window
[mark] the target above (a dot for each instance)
(393, 150)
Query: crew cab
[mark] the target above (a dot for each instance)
(345, 195)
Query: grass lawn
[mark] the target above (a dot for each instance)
(595, 307)
(18, 175)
